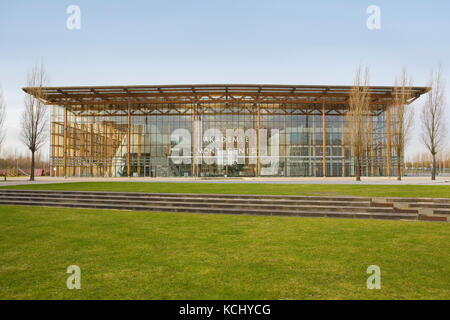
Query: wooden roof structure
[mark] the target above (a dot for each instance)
(210, 93)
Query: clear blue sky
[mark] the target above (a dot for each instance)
(245, 41)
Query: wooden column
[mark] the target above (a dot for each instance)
(193, 140)
(139, 151)
(65, 142)
(129, 141)
(107, 153)
(371, 145)
(91, 148)
(52, 150)
(388, 142)
(314, 144)
(258, 142)
(168, 151)
(343, 147)
(285, 146)
(97, 148)
(83, 147)
(73, 153)
(324, 142)
(118, 146)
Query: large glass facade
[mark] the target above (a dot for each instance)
(212, 140)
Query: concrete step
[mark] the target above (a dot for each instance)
(226, 203)
(429, 205)
(422, 200)
(432, 218)
(176, 195)
(222, 210)
(188, 199)
(320, 206)
(442, 211)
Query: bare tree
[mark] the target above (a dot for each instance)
(401, 117)
(356, 116)
(34, 116)
(2, 118)
(433, 120)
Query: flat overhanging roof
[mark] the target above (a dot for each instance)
(210, 93)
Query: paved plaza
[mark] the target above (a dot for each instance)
(444, 180)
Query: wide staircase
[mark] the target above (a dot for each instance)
(275, 205)
(431, 209)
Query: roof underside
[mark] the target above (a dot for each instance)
(210, 93)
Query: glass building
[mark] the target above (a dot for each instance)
(214, 131)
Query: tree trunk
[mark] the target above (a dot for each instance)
(32, 167)
(399, 167)
(433, 170)
(358, 170)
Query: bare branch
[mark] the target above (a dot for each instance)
(401, 117)
(356, 118)
(433, 118)
(2, 118)
(34, 117)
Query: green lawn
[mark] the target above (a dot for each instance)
(442, 191)
(124, 255)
